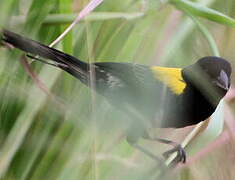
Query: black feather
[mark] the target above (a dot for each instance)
(134, 89)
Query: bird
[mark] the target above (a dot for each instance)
(150, 96)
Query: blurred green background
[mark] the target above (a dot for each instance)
(65, 134)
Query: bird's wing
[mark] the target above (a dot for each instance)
(121, 75)
(171, 77)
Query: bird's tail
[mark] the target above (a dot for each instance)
(66, 62)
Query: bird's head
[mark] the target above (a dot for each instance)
(217, 69)
(211, 74)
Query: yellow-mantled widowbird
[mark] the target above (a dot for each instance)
(151, 96)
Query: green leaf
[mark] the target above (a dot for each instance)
(36, 15)
(65, 7)
(7, 7)
(202, 11)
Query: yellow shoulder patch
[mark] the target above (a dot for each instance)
(172, 77)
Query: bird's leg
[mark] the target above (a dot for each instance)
(160, 162)
(144, 150)
(181, 154)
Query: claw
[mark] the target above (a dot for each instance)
(181, 155)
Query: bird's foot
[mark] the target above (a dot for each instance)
(180, 157)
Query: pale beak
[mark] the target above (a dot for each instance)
(223, 81)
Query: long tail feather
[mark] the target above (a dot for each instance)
(66, 62)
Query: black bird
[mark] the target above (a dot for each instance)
(150, 95)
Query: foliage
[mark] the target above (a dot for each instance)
(71, 133)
